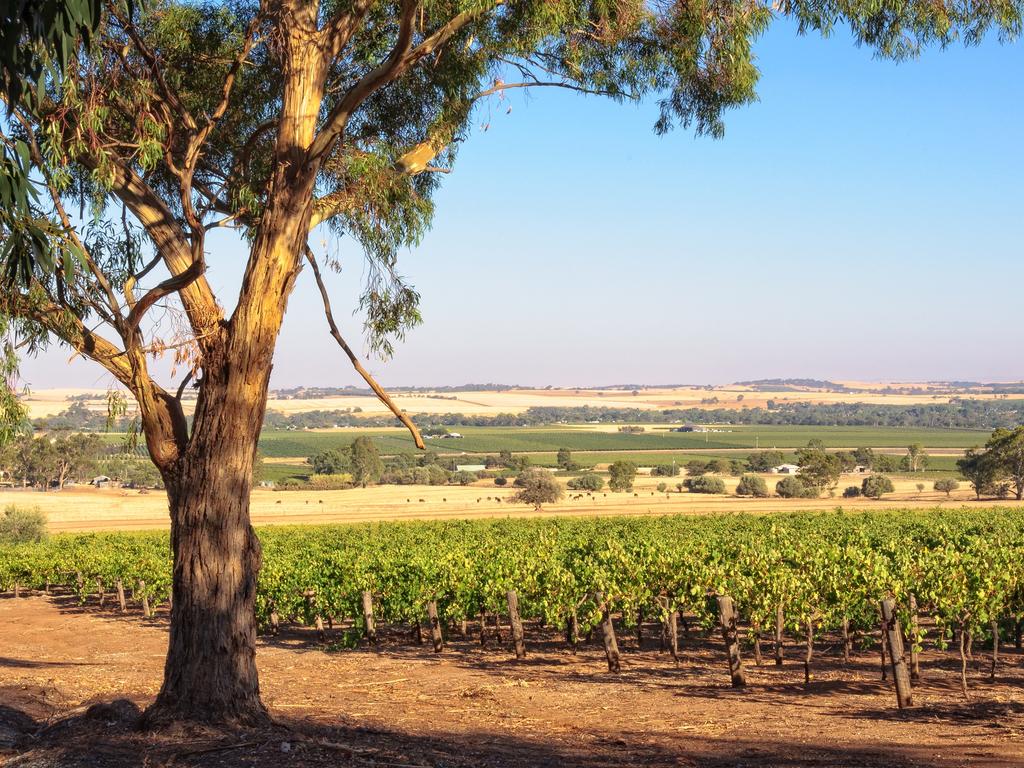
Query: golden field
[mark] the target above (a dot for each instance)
(90, 509)
(46, 402)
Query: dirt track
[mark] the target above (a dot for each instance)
(403, 705)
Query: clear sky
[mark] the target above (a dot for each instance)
(863, 220)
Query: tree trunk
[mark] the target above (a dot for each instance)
(572, 632)
(435, 626)
(727, 620)
(121, 604)
(611, 647)
(210, 673)
(780, 625)
(900, 673)
(995, 648)
(809, 652)
(963, 662)
(846, 640)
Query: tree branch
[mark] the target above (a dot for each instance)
(378, 390)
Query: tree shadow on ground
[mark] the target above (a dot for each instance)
(105, 735)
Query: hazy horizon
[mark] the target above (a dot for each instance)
(860, 222)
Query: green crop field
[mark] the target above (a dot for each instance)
(550, 439)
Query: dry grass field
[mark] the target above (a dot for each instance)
(45, 402)
(90, 509)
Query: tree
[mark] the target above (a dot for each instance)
(665, 470)
(277, 118)
(752, 485)
(794, 488)
(946, 484)
(366, 466)
(621, 474)
(875, 485)
(330, 462)
(705, 484)
(864, 457)
(819, 469)
(564, 458)
(763, 461)
(979, 470)
(464, 478)
(916, 459)
(851, 492)
(588, 481)
(696, 467)
(885, 462)
(539, 487)
(1006, 450)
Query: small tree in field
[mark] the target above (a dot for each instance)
(752, 485)
(539, 488)
(947, 485)
(287, 121)
(621, 474)
(876, 485)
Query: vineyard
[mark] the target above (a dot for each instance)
(952, 579)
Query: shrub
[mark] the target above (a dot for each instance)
(793, 488)
(336, 482)
(586, 482)
(875, 485)
(705, 484)
(752, 485)
(464, 478)
(20, 525)
(851, 492)
(696, 467)
(718, 466)
(501, 480)
(664, 470)
(947, 485)
(661, 487)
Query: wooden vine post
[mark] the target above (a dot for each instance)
(517, 624)
(894, 637)
(727, 618)
(369, 626)
(435, 626)
(611, 647)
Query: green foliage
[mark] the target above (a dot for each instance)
(665, 470)
(851, 492)
(538, 487)
(946, 485)
(1005, 449)
(621, 475)
(763, 461)
(366, 464)
(464, 478)
(875, 486)
(20, 525)
(705, 484)
(819, 469)
(588, 481)
(330, 462)
(752, 485)
(979, 469)
(794, 488)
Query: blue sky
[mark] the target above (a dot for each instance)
(862, 220)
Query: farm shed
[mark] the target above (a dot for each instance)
(691, 428)
(470, 467)
(785, 469)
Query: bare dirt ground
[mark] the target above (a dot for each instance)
(92, 509)
(402, 705)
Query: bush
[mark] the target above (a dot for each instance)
(20, 525)
(696, 467)
(664, 470)
(718, 466)
(586, 482)
(330, 482)
(752, 485)
(501, 480)
(875, 485)
(793, 488)
(464, 478)
(705, 484)
(851, 492)
(662, 487)
(947, 485)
